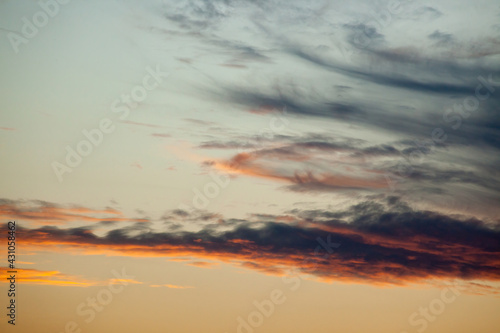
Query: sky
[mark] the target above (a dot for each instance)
(251, 166)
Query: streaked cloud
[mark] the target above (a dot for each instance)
(43, 212)
(383, 242)
(54, 278)
(170, 286)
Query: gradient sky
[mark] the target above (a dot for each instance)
(343, 153)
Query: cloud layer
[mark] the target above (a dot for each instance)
(383, 243)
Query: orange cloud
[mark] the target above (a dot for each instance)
(249, 164)
(55, 278)
(171, 286)
(52, 278)
(47, 213)
(376, 246)
(203, 264)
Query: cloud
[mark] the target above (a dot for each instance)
(199, 122)
(360, 32)
(234, 66)
(203, 264)
(44, 212)
(161, 135)
(423, 170)
(136, 165)
(139, 124)
(170, 286)
(441, 38)
(426, 13)
(377, 243)
(311, 164)
(195, 15)
(53, 278)
(406, 79)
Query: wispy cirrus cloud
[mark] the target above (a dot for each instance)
(161, 135)
(170, 286)
(129, 122)
(323, 163)
(203, 264)
(44, 212)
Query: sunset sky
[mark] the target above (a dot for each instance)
(251, 166)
